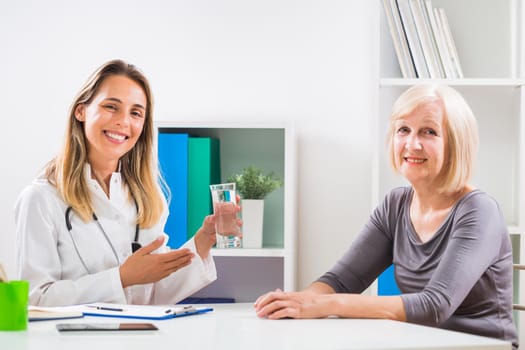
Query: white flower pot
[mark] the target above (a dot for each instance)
(252, 222)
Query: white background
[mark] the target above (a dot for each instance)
(312, 63)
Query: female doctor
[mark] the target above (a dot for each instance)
(90, 228)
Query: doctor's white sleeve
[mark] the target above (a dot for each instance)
(38, 216)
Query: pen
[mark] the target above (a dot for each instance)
(183, 310)
(3, 275)
(105, 308)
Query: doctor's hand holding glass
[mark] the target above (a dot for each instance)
(90, 227)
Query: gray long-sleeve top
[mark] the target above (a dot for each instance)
(461, 279)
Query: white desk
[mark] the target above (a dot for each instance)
(235, 326)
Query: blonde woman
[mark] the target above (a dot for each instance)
(447, 240)
(90, 228)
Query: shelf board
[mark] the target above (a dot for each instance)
(515, 230)
(249, 252)
(218, 125)
(387, 82)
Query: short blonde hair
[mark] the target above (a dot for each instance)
(461, 128)
(138, 167)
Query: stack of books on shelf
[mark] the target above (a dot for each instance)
(422, 39)
(189, 166)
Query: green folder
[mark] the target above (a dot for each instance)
(203, 170)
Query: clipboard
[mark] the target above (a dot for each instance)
(145, 312)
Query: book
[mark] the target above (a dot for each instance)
(173, 161)
(41, 313)
(149, 312)
(439, 41)
(426, 38)
(399, 39)
(451, 71)
(449, 40)
(203, 171)
(413, 40)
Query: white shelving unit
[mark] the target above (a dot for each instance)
(490, 39)
(244, 274)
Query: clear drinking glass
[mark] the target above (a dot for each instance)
(224, 204)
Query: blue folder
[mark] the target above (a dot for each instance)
(173, 161)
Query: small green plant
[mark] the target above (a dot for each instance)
(251, 183)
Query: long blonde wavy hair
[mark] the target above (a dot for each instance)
(138, 167)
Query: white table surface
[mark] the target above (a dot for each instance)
(235, 326)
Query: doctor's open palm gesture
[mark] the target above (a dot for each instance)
(145, 266)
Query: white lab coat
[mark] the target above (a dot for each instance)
(48, 259)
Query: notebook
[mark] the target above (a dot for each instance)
(39, 313)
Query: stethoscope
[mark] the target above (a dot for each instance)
(135, 245)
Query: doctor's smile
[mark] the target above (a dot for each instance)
(115, 136)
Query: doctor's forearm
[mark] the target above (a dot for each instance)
(205, 238)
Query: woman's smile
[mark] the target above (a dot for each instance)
(115, 136)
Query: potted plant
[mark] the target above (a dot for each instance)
(253, 186)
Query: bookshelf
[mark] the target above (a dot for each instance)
(490, 40)
(245, 273)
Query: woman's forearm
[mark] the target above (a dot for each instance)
(365, 306)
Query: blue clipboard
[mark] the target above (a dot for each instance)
(145, 312)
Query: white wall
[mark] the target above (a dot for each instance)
(309, 62)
